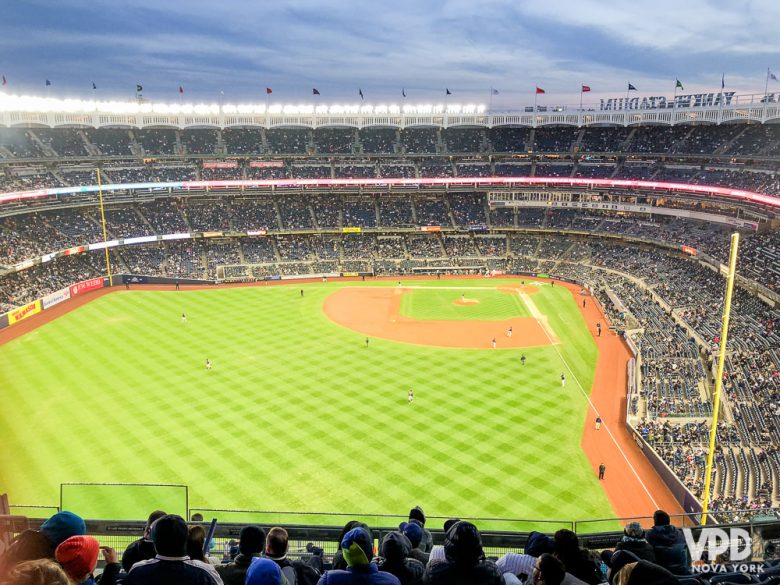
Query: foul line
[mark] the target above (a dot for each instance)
(593, 406)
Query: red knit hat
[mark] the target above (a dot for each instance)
(78, 555)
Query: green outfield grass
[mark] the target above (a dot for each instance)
(296, 414)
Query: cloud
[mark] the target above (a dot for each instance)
(338, 46)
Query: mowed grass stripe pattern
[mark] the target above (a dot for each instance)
(444, 304)
(296, 414)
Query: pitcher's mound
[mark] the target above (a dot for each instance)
(466, 302)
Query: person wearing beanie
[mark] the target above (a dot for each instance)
(415, 533)
(644, 573)
(297, 572)
(171, 565)
(464, 562)
(250, 545)
(357, 548)
(634, 541)
(338, 558)
(417, 515)
(30, 545)
(78, 556)
(143, 548)
(395, 558)
(37, 572)
(264, 572)
(668, 545)
(437, 552)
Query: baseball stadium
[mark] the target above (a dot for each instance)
(310, 317)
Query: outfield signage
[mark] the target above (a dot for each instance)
(140, 240)
(228, 164)
(257, 232)
(55, 298)
(87, 285)
(213, 234)
(104, 245)
(257, 164)
(351, 230)
(430, 228)
(179, 236)
(22, 313)
(75, 250)
(688, 250)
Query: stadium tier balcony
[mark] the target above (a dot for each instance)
(19, 143)
(379, 140)
(295, 213)
(464, 139)
(156, 141)
(209, 174)
(165, 216)
(254, 213)
(555, 138)
(203, 141)
(467, 209)
(334, 140)
(513, 169)
(66, 142)
(355, 171)
(595, 139)
(289, 140)
(243, 140)
(204, 215)
(594, 171)
(420, 140)
(553, 170)
(258, 250)
(400, 171)
(310, 171)
(508, 139)
(110, 141)
(431, 210)
(359, 213)
(395, 211)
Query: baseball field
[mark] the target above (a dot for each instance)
(306, 406)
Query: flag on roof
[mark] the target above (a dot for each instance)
(493, 91)
(93, 85)
(403, 91)
(631, 87)
(585, 88)
(268, 90)
(5, 81)
(539, 89)
(772, 76)
(181, 89)
(360, 92)
(723, 80)
(315, 91)
(139, 88)
(448, 91)
(48, 83)
(679, 84)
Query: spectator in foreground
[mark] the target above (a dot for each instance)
(143, 548)
(171, 565)
(395, 559)
(417, 515)
(357, 548)
(668, 544)
(634, 541)
(465, 562)
(196, 537)
(548, 570)
(296, 572)
(338, 558)
(414, 532)
(437, 552)
(37, 572)
(264, 572)
(576, 560)
(78, 556)
(644, 573)
(31, 545)
(251, 544)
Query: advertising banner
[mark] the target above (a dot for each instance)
(213, 234)
(134, 279)
(430, 228)
(257, 232)
(75, 250)
(689, 250)
(55, 298)
(351, 230)
(85, 286)
(3, 320)
(226, 164)
(21, 313)
(257, 164)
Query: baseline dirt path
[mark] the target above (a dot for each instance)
(627, 493)
(376, 312)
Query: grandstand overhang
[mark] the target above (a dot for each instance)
(49, 112)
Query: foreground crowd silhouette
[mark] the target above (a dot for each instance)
(172, 553)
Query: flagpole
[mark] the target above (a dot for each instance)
(674, 102)
(722, 96)
(628, 92)
(766, 94)
(581, 97)
(536, 93)
(490, 104)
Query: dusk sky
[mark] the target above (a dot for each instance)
(424, 46)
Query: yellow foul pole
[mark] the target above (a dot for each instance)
(103, 221)
(719, 378)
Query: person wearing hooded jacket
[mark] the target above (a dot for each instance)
(634, 541)
(417, 515)
(357, 548)
(668, 544)
(395, 550)
(576, 560)
(644, 573)
(465, 562)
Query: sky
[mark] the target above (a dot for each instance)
(424, 47)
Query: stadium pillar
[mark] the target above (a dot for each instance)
(103, 222)
(719, 378)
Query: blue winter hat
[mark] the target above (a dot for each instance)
(357, 547)
(62, 526)
(263, 572)
(413, 532)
